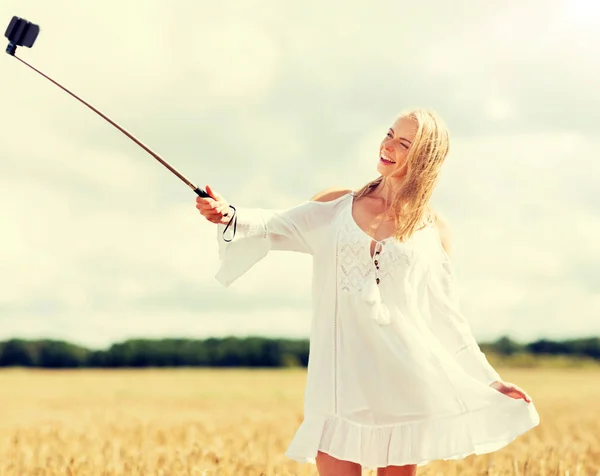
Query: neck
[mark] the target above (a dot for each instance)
(384, 192)
(385, 189)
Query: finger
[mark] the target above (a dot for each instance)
(216, 219)
(525, 394)
(215, 208)
(204, 200)
(516, 394)
(525, 397)
(212, 193)
(207, 206)
(519, 394)
(522, 393)
(212, 216)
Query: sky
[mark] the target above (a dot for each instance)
(270, 102)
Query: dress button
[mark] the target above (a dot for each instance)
(377, 280)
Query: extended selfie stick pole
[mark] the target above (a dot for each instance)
(23, 33)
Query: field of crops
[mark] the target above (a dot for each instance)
(239, 422)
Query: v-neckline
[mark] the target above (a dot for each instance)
(374, 244)
(353, 220)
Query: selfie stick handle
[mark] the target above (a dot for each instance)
(11, 51)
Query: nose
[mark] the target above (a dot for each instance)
(388, 146)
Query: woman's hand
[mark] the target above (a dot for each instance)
(214, 208)
(511, 390)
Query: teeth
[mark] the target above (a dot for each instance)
(387, 159)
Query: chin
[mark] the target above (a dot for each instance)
(385, 170)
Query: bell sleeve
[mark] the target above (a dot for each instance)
(449, 324)
(256, 231)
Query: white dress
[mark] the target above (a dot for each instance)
(395, 375)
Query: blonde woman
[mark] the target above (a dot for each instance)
(395, 376)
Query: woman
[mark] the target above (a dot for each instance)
(395, 376)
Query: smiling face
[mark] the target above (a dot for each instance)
(395, 146)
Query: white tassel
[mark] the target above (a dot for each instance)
(371, 293)
(378, 311)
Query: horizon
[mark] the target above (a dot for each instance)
(256, 336)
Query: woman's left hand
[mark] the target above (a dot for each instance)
(511, 390)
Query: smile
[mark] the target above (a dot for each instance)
(386, 160)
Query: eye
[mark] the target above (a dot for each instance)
(404, 145)
(389, 135)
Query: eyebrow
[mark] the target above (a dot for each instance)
(401, 138)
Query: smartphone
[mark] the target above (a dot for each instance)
(21, 32)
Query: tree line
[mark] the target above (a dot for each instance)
(212, 352)
(229, 352)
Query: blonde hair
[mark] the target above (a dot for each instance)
(410, 200)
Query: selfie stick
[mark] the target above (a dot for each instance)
(20, 32)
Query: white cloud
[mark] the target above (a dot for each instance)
(499, 109)
(100, 329)
(270, 103)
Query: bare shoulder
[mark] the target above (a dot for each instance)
(443, 227)
(330, 194)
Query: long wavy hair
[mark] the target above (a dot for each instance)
(410, 199)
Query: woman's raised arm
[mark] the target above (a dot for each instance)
(256, 231)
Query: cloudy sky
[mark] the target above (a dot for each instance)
(269, 102)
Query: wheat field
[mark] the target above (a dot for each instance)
(239, 422)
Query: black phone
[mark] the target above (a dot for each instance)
(21, 32)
